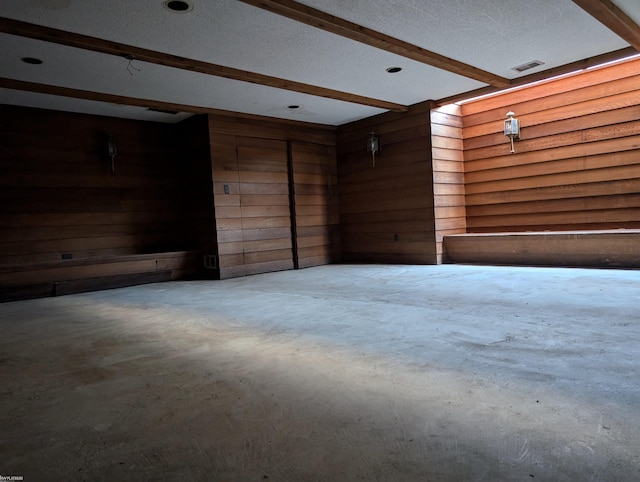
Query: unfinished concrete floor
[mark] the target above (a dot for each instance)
(334, 373)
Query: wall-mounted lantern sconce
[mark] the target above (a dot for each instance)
(113, 152)
(373, 146)
(512, 129)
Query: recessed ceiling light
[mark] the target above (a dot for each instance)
(394, 70)
(293, 107)
(31, 60)
(179, 6)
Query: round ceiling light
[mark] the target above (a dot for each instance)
(394, 70)
(31, 60)
(179, 6)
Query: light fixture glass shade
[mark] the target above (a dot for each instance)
(373, 144)
(511, 126)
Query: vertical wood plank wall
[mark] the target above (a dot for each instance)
(577, 165)
(58, 196)
(316, 203)
(386, 211)
(254, 220)
(448, 174)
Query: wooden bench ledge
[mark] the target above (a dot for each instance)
(597, 248)
(7, 268)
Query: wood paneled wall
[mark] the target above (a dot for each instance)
(448, 174)
(386, 211)
(317, 210)
(260, 167)
(58, 195)
(577, 164)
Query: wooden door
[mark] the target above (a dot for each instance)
(264, 204)
(317, 215)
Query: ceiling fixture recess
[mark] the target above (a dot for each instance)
(293, 107)
(527, 66)
(394, 70)
(31, 60)
(163, 111)
(179, 6)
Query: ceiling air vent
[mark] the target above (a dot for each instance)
(527, 66)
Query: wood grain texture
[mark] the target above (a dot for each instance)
(59, 196)
(259, 226)
(386, 211)
(448, 174)
(577, 163)
(317, 220)
(604, 248)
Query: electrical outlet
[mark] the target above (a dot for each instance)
(226, 189)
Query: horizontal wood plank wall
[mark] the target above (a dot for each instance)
(448, 174)
(577, 164)
(58, 195)
(253, 221)
(386, 211)
(316, 203)
(263, 185)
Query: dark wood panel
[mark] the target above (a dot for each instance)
(315, 167)
(273, 129)
(23, 274)
(59, 195)
(386, 212)
(268, 266)
(392, 199)
(620, 248)
(255, 219)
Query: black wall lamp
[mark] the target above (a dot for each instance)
(373, 146)
(112, 149)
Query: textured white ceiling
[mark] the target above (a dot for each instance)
(54, 102)
(494, 35)
(85, 70)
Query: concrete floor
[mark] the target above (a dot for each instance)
(335, 373)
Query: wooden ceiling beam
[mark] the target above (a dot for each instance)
(608, 14)
(47, 34)
(319, 19)
(136, 102)
(98, 96)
